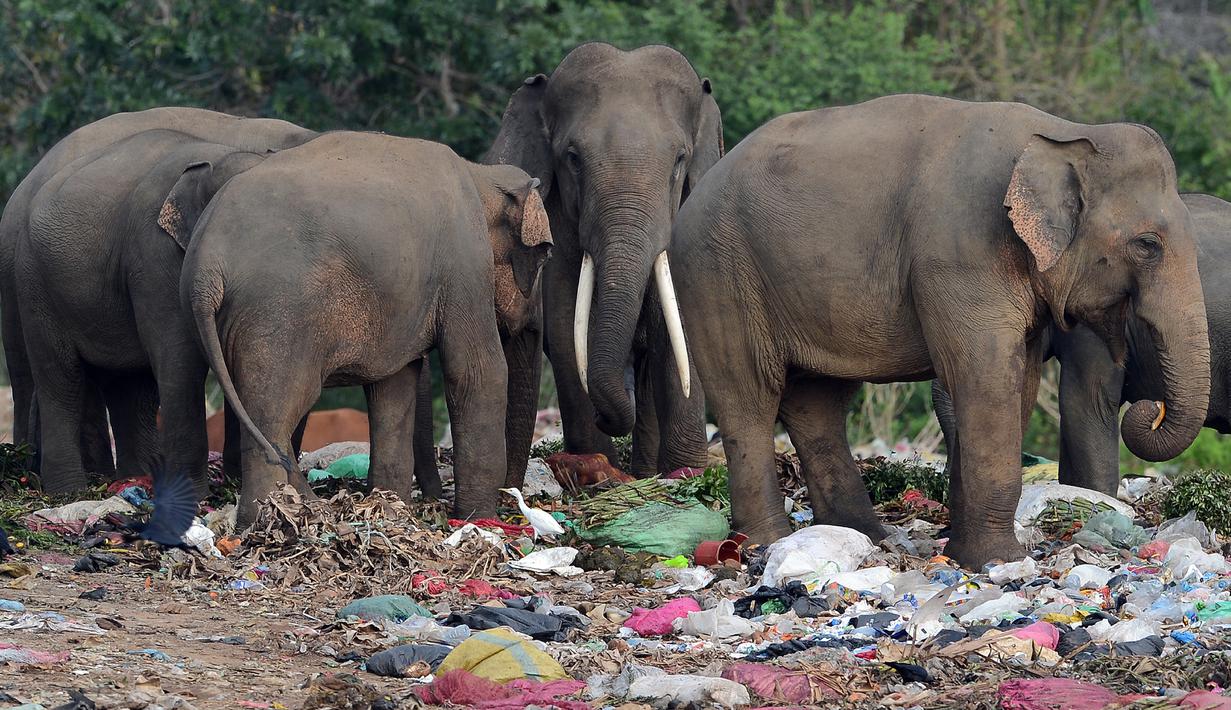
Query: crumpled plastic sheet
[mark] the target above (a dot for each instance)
(72, 519)
(10, 653)
(462, 688)
(395, 662)
(543, 627)
(658, 622)
(50, 621)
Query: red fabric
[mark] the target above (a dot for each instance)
(494, 524)
(1205, 700)
(779, 684)
(480, 589)
(1056, 694)
(431, 582)
(657, 622)
(914, 498)
(143, 481)
(461, 687)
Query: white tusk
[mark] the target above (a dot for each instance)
(581, 318)
(671, 313)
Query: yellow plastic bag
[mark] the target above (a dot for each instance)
(500, 656)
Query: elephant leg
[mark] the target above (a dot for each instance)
(391, 412)
(17, 360)
(61, 385)
(746, 419)
(181, 392)
(476, 391)
(577, 413)
(988, 401)
(297, 437)
(942, 405)
(426, 473)
(276, 397)
(133, 403)
(524, 360)
(647, 440)
(814, 413)
(96, 453)
(1090, 393)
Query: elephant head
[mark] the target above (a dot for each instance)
(618, 140)
(1108, 233)
(195, 188)
(518, 228)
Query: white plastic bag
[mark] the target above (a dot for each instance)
(555, 559)
(1187, 526)
(717, 623)
(201, 538)
(1186, 558)
(1013, 571)
(991, 610)
(1036, 496)
(870, 579)
(470, 530)
(815, 553)
(690, 690)
(1087, 577)
(1123, 632)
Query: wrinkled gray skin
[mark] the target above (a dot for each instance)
(618, 139)
(374, 251)
(1093, 386)
(64, 474)
(99, 282)
(871, 243)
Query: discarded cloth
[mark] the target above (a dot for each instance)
(780, 684)
(658, 622)
(410, 661)
(72, 519)
(463, 689)
(543, 627)
(10, 653)
(499, 655)
(393, 607)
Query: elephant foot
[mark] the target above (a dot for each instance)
(972, 550)
(764, 532)
(61, 484)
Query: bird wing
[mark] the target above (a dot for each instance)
(175, 507)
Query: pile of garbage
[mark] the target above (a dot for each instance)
(648, 597)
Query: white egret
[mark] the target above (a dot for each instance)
(540, 520)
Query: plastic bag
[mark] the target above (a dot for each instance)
(411, 661)
(1187, 526)
(1111, 529)
(540, 480)
(555, 559)
(1123, 632)
(664, 530)
(1186, 558)
(814, 554)
(1013, 571)
(354, 467)
(1035, 498)
(500, 656)
(393, 607)
(690, 690)
(422, 628)
(869, 579)
(470, 530)
(1006, 605)
(1087, 577)
(543, 627)
(717, 623)
(656, 622)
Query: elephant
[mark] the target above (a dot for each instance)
(372, 251)
(1093, 384)
(240, 133)
(99, 292)
(916, 237)
(619, 139)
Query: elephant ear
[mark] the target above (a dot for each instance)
(708, 148)
(534, 241)
(1045, 195)
(185, 202)
(523, 140)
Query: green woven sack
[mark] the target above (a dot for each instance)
(661, 529)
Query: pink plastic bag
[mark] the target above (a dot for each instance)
(1041, 632)
(657, 622)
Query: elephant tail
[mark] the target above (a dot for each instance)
(204, 313)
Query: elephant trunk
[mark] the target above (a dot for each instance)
(615, 279)
(1161, 430)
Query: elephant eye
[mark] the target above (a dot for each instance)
(574, 160)
(1148, 246)
(679, 167)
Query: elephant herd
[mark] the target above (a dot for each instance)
(902, 239)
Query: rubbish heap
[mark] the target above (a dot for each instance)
(649, 599)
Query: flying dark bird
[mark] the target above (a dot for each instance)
(175, 507)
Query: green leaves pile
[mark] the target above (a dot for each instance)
(1206, 491)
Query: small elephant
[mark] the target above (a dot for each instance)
(1093, 385)
(344, 261)
(210, 126)
(619, 139)
(99, 294)
(912, 237)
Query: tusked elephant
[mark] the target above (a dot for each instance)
(65, 474)
(345, 260)
(1093, 384)
(619, 139)
(912, 237)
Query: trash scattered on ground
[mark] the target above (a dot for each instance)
(646, 598)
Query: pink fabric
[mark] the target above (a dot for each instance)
(16, 654)
(779, 684)
(1041, 632)
(480, 589)
(686, 472)
(657, 622)
(1205, 700)
(461, 687)
(914, 498)
(1056, 694)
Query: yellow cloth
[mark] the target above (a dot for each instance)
(500, 656)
